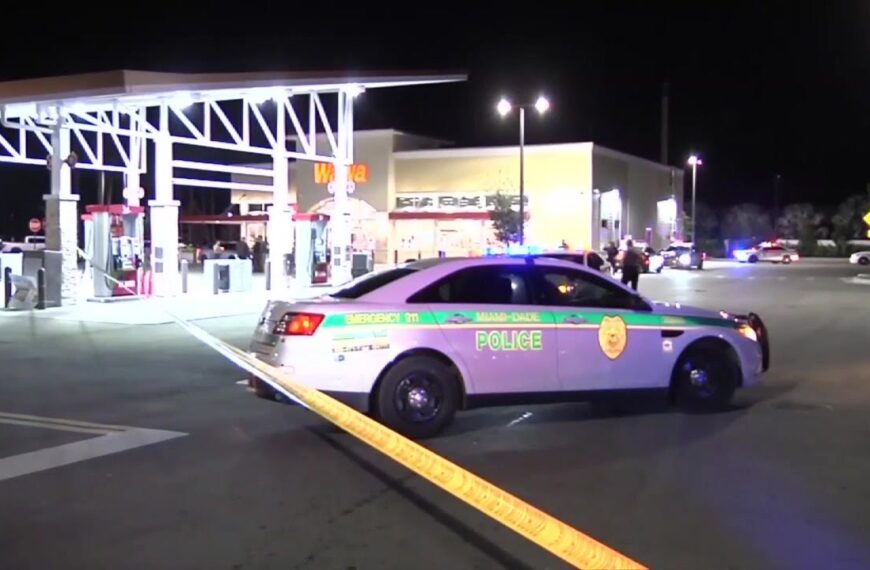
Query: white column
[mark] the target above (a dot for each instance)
(280, 226)
(133, 175)
(164, 216)
(133, 181)
(61, 214)
(340, 222)
(340, 228)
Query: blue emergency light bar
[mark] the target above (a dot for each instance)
(514, 249)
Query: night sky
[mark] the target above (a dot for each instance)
(755, 90)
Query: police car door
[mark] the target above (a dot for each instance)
(606, 340)
(507, 344)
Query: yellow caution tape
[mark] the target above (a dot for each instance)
(548, 532)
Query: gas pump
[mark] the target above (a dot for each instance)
(113, 237)
(311, 252)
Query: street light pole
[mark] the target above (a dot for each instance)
(694, 161)
(522, 174)
(694, 201)
(504, 107)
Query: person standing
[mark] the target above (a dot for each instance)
(611, 252)
(244, 251)
(259, 254)
(631, 264)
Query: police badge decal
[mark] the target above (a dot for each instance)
(612, 336)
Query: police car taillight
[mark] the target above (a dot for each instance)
(298, 324)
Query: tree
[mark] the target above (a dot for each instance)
(847, 222)
(708, 223)
(745, 221)
(797, 221)
(505, 220)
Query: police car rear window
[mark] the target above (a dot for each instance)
(368, 283)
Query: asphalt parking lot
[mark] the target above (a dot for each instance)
(134, 447)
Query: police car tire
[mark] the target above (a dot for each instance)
(864, 260)
(753, 259)
(786, 259)
(432, 370)
(723, 377)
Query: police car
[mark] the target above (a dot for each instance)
(413, 344)
(767, 251)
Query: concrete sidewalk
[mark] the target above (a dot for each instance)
(155, 310)
(199, 302)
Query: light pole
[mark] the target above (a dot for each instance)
(694, 162)
(504, 107)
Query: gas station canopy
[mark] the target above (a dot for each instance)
(104, 90)
(68, 122)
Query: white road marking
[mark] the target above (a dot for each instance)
(49, 422)
(243, 382)
(752, 277)
(523, 417)
(59, 427)
(720, 277)
(811, 278)
(35, 461)
(781, 278)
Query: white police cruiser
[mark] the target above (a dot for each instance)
(414, 344)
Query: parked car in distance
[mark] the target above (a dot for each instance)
(860, 258)
(683, 256)
(221, 250)
(30, 243)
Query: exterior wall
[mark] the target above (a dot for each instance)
(557, 184)
(642, 184)
(375, 149)
(261, 198)
(560, 185)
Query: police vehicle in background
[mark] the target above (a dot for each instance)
(860, 258)
(413, 344)
(767, 251)
(683, 256)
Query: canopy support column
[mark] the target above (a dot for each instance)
(61, 213)
(164, 215)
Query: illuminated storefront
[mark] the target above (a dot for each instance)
(411, 197)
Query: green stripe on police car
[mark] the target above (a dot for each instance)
(513, 318)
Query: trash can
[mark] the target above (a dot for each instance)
(222, 276)
(361, 263)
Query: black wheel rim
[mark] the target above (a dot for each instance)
(701, 377)
(418, 397)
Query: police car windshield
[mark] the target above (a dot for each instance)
(369, 282)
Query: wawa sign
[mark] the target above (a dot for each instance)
(324, 173)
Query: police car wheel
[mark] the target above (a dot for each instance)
(864, 261)
(417, 397)
(753, 259)
(705, 377)
(786, 259)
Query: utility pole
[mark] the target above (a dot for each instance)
(776, 179)
(663, 156)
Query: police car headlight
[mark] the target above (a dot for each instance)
(748, 332)
(686, 259)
